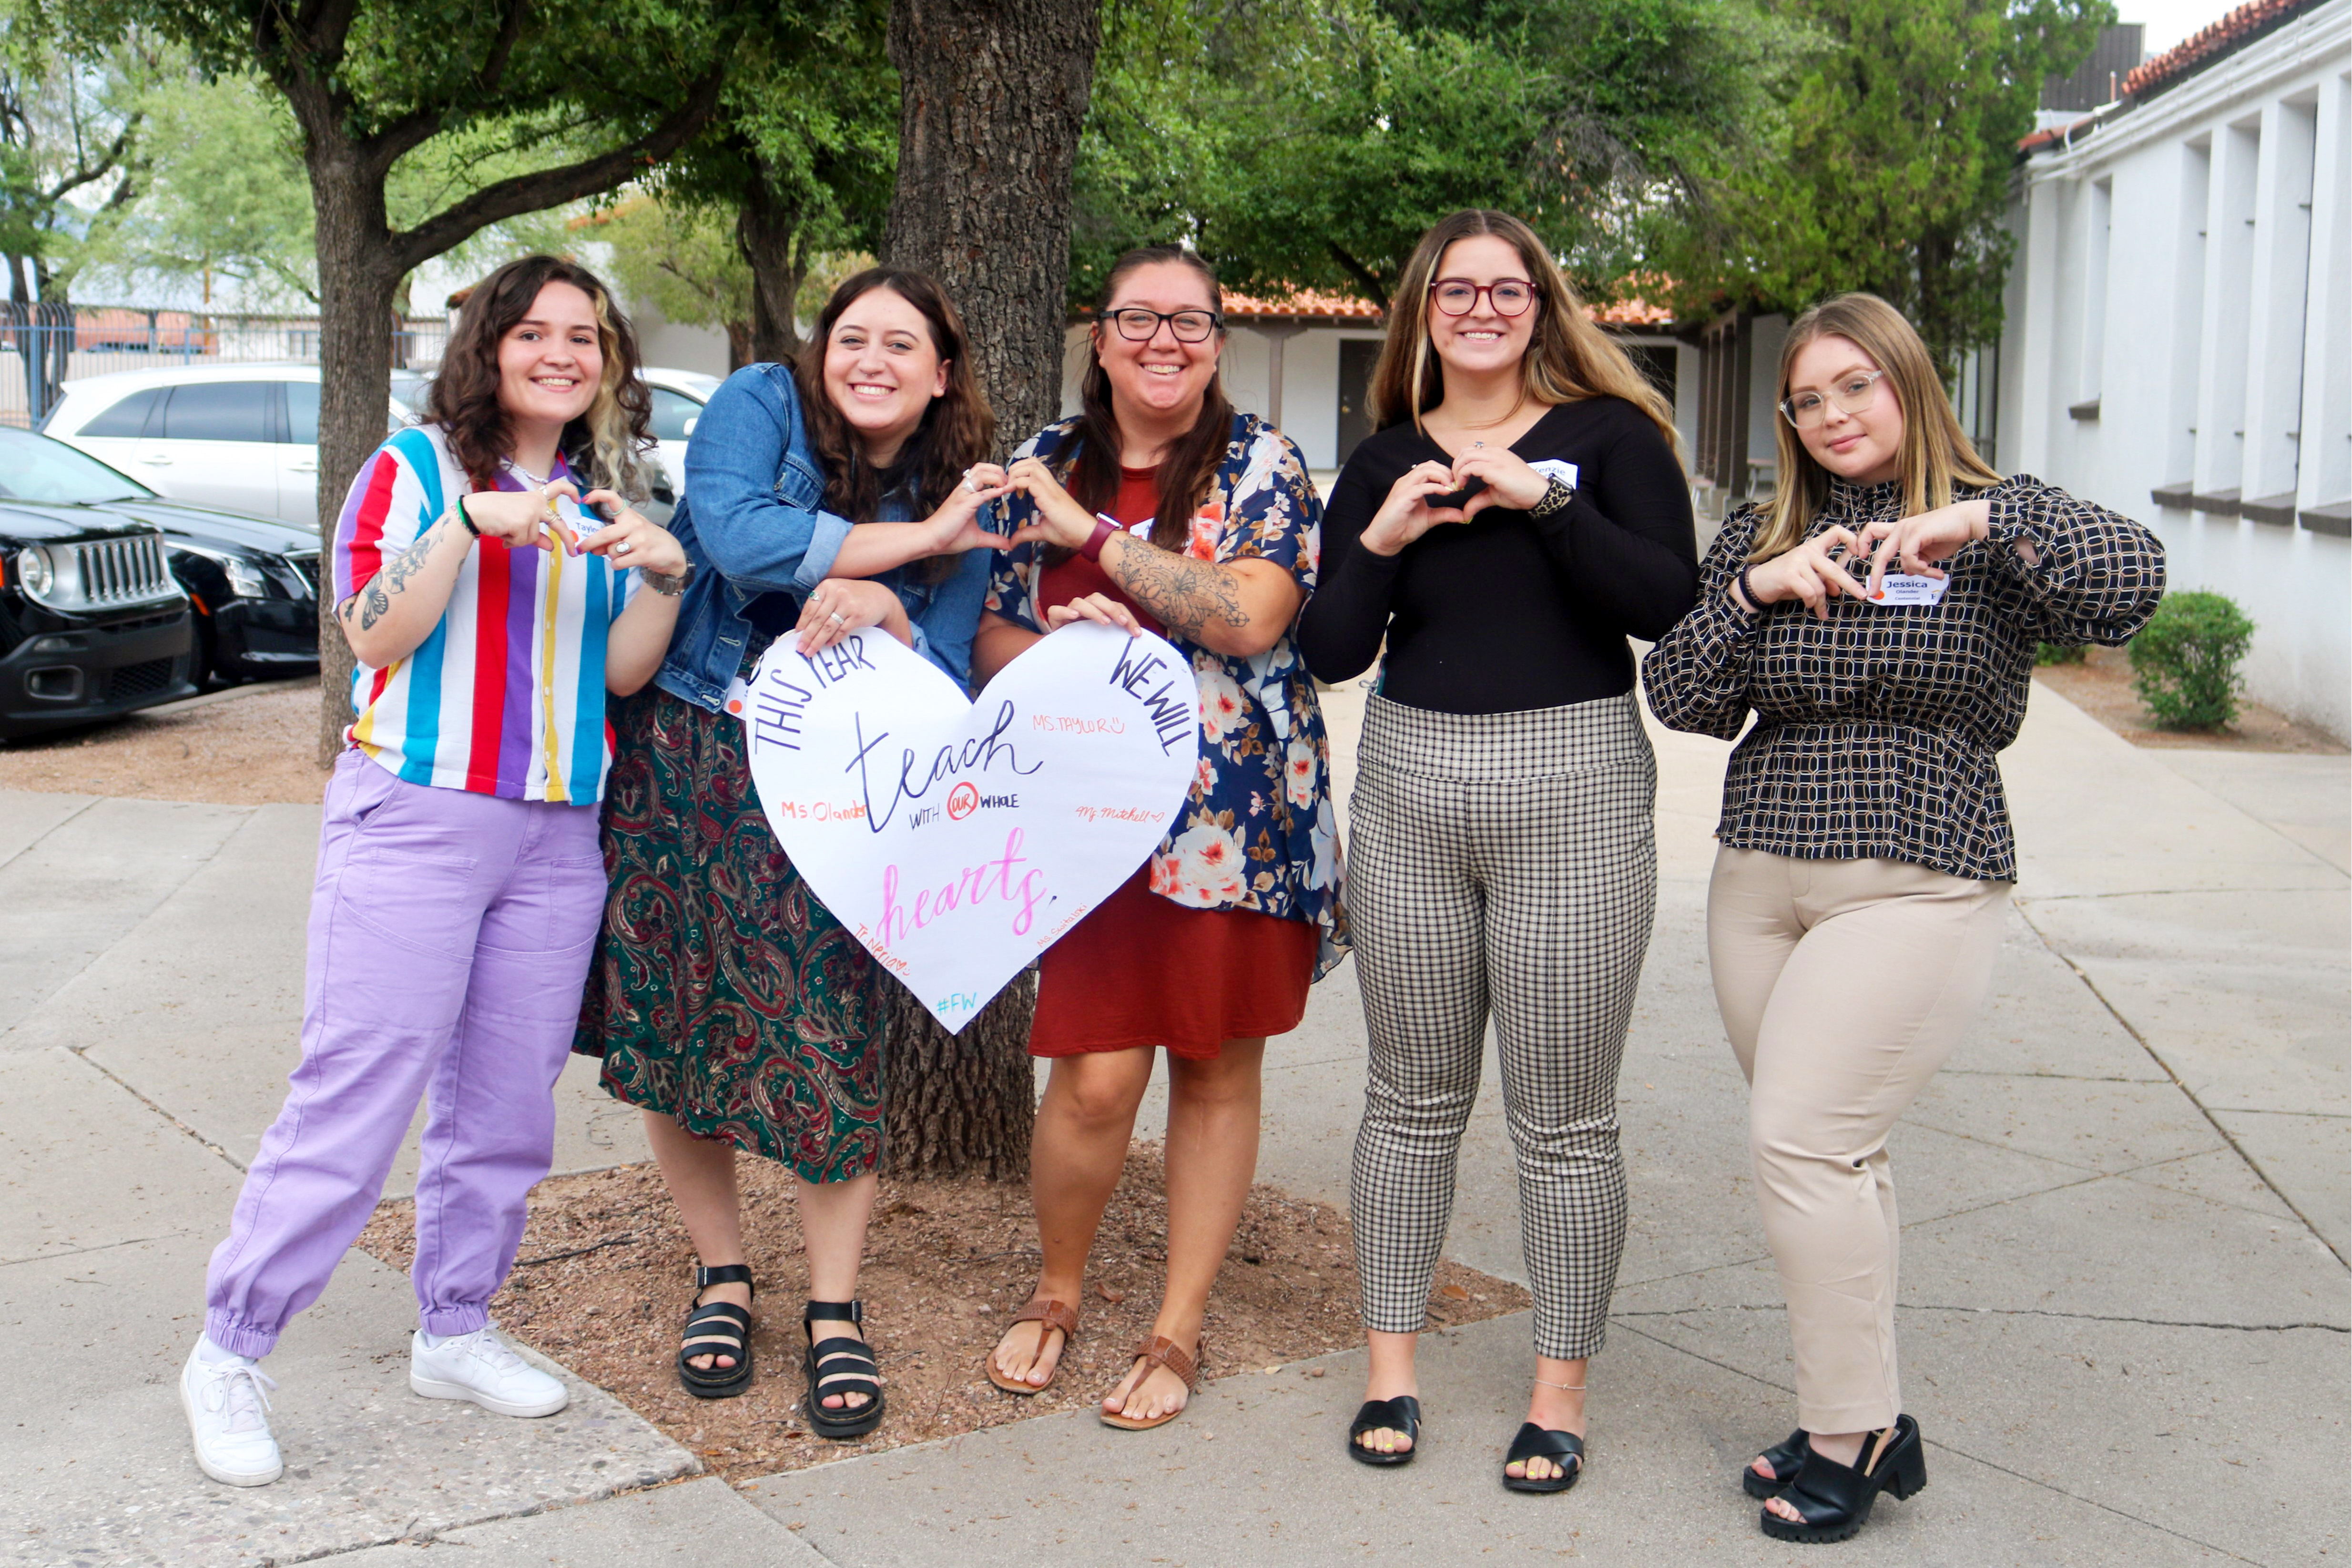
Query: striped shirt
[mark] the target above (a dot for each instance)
(505, 696)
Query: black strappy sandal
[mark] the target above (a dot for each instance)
(1786, 1458)
(1402, 1414)
(1535, 1442)
(716, 1329)
(1835, 1499)
(852, 1370)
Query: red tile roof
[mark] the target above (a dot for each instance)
(1335, 309)
(2232, 33)
(2205, 48)
(1307, 305)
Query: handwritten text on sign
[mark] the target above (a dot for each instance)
(960, 839)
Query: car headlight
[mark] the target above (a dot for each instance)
(32, 571)
(245, 580)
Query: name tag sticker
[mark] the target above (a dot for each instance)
(1902, 588)
(1553, 469)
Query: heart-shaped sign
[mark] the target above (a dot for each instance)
(960, 839)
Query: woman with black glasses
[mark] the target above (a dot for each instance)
(1519, 514)
(1160, 506)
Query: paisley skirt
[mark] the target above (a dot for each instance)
(722, 992)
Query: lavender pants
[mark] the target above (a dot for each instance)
(450, 933)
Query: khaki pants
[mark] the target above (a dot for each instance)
(1843, 985)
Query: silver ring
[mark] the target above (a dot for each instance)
(971, 484)
(837, 619)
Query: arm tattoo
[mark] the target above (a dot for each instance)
(1181, 593)
(374, 601)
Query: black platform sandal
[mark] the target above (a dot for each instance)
(717, 1329)
(1835, 1499)
(1786, 1458)
(1402, 1414)
(1535, 1442)
(840, 1365)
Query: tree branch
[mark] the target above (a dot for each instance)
(387, 146)
(553, 187)
(1366, 279)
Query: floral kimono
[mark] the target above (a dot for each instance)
(1257, 831)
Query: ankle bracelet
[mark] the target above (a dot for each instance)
(1564, 1387)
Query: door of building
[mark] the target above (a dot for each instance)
(1357, 357)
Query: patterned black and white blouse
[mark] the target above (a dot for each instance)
(1876, 730)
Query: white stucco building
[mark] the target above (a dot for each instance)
(2179, 344)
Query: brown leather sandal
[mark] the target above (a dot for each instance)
(1162, 1351)
(1054, 1315)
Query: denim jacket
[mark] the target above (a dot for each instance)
(753, 521)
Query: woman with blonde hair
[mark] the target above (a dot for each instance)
(1519, 514)
(1878, 616)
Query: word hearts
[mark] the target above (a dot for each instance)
(959, 839)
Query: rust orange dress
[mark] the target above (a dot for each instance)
(1142, 970)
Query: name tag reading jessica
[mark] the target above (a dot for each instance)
(1902, 588)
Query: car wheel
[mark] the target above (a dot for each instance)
(204, 660)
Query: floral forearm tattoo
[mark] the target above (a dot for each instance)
(373, 601)
(1179, 593)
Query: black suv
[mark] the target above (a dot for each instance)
(93, 623)
(253, 580)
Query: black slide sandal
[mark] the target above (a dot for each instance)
(1786, 1458)
(1535, 1442)
(717, 1329)
(1402, 1414)
(840, 1365)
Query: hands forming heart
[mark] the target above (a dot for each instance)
(1428, 494)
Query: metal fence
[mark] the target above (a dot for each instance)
(43, 346)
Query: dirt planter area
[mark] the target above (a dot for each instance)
(604, 1278)
(248, 745)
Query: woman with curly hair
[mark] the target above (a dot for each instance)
(458, 883)
(726, 1002)
(1158, 506)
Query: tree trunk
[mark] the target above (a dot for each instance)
(991, 97)
(766, 232)
(958, 1105)
(358, 280)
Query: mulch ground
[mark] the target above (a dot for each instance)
(2101, 685)
(603, 1281)
(249, 746)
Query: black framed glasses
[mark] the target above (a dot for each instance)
(1854, 393)
(1137, 325)
(1459, 295)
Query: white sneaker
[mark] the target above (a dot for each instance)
(483, 1368)
(228, 1417)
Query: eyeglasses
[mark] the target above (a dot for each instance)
(1854, 394)
(1459, 295)
(1137, 325)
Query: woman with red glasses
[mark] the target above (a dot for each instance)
(1519, 513)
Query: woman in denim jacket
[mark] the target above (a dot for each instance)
(726, 1001)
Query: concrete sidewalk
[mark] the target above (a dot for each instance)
(2124, 1204)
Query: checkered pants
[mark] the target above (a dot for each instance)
(1501, 863)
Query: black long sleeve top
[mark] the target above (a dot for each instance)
(1505, 612)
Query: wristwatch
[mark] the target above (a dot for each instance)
(1104, 528)
(669, 587)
